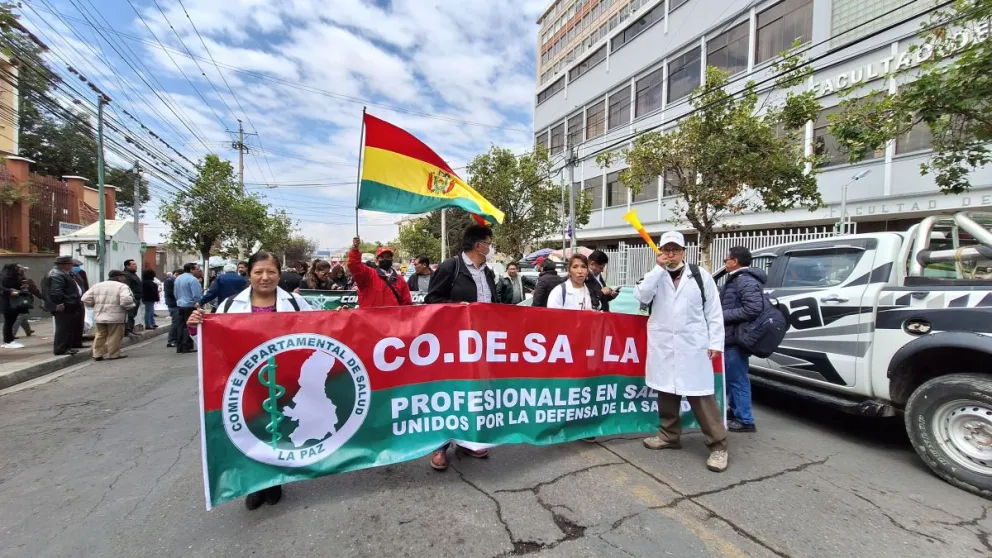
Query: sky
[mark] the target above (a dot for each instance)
(459, 74)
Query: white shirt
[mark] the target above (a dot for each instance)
(574, 299)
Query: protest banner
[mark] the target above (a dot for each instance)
(293, 396)
(332, 300)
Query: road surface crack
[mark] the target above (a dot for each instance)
(168, 470)
(984, 537)
(896, 523)
(537, 487)
(796, 469)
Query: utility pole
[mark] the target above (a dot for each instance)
(242, 149)
(137, 211)
(572, 158)
(101, 247)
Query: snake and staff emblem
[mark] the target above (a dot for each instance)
(267, 376)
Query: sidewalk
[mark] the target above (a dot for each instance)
(36, 358)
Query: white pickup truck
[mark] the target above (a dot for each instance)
(894, 323)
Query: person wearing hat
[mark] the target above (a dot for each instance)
(111, 301)
(62, 298)
(685, 333)
(381, 286)
(227, 284)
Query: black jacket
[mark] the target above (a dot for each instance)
(62, 289)
(149, 291)
(600, 301)
(504, 289)
(290, 281)
(169, 289)
(452, 282)
(546, 282)
(743, 299)
(134, 282)
(9, 284)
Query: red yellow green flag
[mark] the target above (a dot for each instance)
(400, 174)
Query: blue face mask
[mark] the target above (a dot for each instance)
(76, 268)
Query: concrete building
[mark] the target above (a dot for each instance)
(9, 108)
(610, 69)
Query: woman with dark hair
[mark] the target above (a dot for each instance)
(339, 279)
(319, 276)
(262, 296)
(573, 294)
(149, 296)
(10, 287)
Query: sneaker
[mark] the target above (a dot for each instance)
(12, 345)
(717, 461)
(255, 500)
(738, 426)
(658, 443)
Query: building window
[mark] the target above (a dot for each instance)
(782, 25)
(551, 90)
(594, 189)
(616, 193)
(649, 191)
(558, 139)
(826, 146)
(852, 19)
(649, 92)
(620, 108)
(683, 75)
(729, 50)
(587, 64)
(541, 140)
(918, 138)
(670, 181)
(595, 120)
(575, 130)
(651, 17)
(677, 4)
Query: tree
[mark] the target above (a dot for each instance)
(949, 98)
(417, 239)
(207, 213)
(299, 249)
(260, 227)
(277, 231)
(725, 158)
(123, 180)
(522, 187)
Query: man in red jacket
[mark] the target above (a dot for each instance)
(381, 286)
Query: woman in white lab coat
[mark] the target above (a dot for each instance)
(573, 294)
(684, 335)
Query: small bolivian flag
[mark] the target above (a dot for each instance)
(402, 175)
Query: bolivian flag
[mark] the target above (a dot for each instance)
(402, 175)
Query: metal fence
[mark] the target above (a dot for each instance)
(52, 204)
(629, 263)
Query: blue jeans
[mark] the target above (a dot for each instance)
(738, 383)
(149, 315)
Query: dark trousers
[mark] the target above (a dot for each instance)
(9, 319)
(175, 324)
(68, 329)
(707, 413)
(184, 343)
(77, 332)
(131, 315)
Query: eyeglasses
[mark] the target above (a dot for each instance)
(672, 250)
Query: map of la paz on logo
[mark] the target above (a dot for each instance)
(295, 400)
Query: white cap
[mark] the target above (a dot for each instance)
(672, 237)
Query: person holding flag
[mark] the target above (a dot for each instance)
(381, 286)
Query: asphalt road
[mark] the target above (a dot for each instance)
(104, 460)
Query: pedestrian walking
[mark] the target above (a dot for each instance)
(381, 286)
(62, 296)
(149, 296)
(262, 296)
(574, 293)
(420, 281)
(546, 282)
(743, 300)
(602, 294)
(319, 276)
(111, 300)
(188, 294)
(27, 286)
(10, 291)
(169, 290)
(225, 285)
(685, 333)
(513, 288)
(465, 278)
(133, 281)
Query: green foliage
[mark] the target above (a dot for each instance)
(523, 189)
(724, 158)
(418, 239)
(299, 249)
(948, 96)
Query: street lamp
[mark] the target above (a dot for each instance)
(843, 199)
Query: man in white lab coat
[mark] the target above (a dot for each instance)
(685, 332)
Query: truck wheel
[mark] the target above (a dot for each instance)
(949, 422)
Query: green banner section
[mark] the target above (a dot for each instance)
(332, 300)
(410, 421)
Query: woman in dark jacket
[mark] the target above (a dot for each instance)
(149, 296)
(546, 282)
(10, 287)
(319, 277)
(340, 280)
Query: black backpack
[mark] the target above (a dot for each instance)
(762, 336)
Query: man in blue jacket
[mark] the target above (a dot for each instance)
(743, 300)
(226, 285)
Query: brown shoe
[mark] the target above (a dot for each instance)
(659, 443)
(439, 460)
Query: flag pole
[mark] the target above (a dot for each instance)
(358, 179)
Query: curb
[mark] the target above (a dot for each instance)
(57, 363)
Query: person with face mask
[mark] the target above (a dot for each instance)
(381, 286)
(685, 332)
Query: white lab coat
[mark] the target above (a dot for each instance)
(680, 331)
(241, 303)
